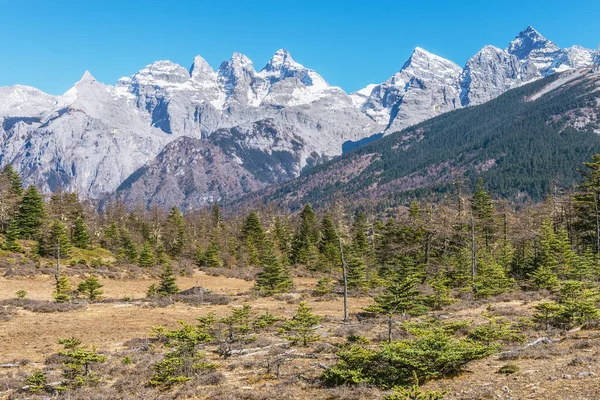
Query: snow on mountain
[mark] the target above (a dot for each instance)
(271, 123)
(428, 85)
(24, 101)
(94, 136)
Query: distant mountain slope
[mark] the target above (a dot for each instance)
(523, 143)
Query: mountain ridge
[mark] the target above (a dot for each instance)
(95, 136)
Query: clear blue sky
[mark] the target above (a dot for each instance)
(50, 43)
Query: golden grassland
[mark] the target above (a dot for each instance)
(565, 370)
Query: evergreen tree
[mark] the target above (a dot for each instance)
(329, 245)
(491, 278)
(400, 297)
(62, 289)
(283, 238)
(483, 212)
(274, 278)
(30, 215)
(81, 237)
(91, 287)
(306, 238)
(16, 185)
(167, 285)
(212, 256)
(146, 258)
(253, 237)
(10, 238)
(360, 241)
(301, 328)
(413, 210)
(127, 250)
(217, 217)
(55, 242)
(357, 270)
(176, 232)
(587, 204)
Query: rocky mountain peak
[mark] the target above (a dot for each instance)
(529, 40)
(86, 78)
(163, 71)
(422, 62)
(281, 60)
(200, 68)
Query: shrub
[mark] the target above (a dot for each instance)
(434, 355)
(508, 369)
(185, 360)
(36, 382)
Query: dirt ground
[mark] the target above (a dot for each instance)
(568, 369)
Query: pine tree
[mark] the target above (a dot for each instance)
(81, 237)
(360, 241)
(413, 210)
(253, 237)
(400, 297)
(274, 278)
(91, 288)
(167, 285)
(176, 234)
(127, 250)
(217, 217)
(483, 212)
(491, 278)
(306, 235)
(357, 270)
(283, 238)
(62, 289)
(10, 239)
(55, 242)
(30, 215)
(212, 256)
(301, 329)
(587, 204)
(146, 258)
(329, 245)
(16, 185)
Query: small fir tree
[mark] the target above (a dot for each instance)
(55, 243)
(301, 329)
(274, 278)
(146, 258)
(62, 289)
(30, 214)
(16, 185)
(167, 285)
(91, 288)
(81, 237)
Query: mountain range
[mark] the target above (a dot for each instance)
(172, 135)
(526, 144)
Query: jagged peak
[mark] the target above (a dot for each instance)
(282, 59)
(529, 40)
(86, 77)
(238, 64)
(200, 67)
(423, 59)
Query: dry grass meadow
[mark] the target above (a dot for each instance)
(566, 369)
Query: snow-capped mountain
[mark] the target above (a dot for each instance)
(168, 133)
(95, 136)
(428, 85)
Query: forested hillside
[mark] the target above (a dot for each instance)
(524, 144)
